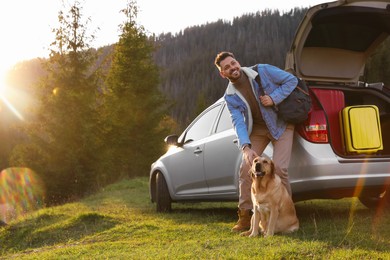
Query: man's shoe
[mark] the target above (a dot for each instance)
(244, 220)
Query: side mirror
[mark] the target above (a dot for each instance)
(171, 140)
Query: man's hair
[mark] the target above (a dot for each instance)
(221, 56)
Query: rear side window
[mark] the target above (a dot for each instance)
(225, 121)
(202, 127)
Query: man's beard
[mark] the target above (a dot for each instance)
(236, 75)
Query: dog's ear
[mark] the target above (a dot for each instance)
(250, 172)
(272, 167)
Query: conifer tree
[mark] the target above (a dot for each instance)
(65, 134)
(135, 106)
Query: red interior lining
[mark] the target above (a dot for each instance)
(333, 102)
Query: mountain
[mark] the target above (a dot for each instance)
(188, 74)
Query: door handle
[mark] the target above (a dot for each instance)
(198, 151)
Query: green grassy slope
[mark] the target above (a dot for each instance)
(121, 223)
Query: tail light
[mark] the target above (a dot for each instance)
(315, 128)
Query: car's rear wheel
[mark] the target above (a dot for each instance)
(374, 201)
(163, 199)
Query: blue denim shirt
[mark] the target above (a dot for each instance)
(277, 83)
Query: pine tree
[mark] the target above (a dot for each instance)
(135, 107)
(65, 134)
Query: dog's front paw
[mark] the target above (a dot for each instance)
(254, 234)
(246, 233)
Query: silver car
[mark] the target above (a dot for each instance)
(329, 51)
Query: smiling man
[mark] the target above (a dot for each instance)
(256, 122)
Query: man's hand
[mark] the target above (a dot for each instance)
(249, 155)
(266, 101)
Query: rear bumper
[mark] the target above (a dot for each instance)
(317, 172)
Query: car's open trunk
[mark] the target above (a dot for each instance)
(333, 99)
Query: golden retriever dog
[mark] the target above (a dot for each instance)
(273, 208)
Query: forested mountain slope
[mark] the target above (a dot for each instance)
(189, 77)
(186, 59)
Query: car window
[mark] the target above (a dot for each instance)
(201, 128)
(225, 121)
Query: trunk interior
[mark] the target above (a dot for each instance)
(334, 99)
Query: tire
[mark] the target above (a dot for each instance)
(163, 199)
(376, 201)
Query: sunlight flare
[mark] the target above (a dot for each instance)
(357, 193)
(11, 107)
(21, 191)
(9, 96)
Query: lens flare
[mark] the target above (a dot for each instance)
(21, 191)
(11, 107)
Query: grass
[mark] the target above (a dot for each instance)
(120, 222)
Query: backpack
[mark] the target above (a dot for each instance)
(295, 107)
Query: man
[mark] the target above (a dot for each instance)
(256, 122)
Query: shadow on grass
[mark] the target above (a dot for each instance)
(220, 214)
(49, 229)
(344, 224)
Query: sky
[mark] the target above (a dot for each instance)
(26, 25)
